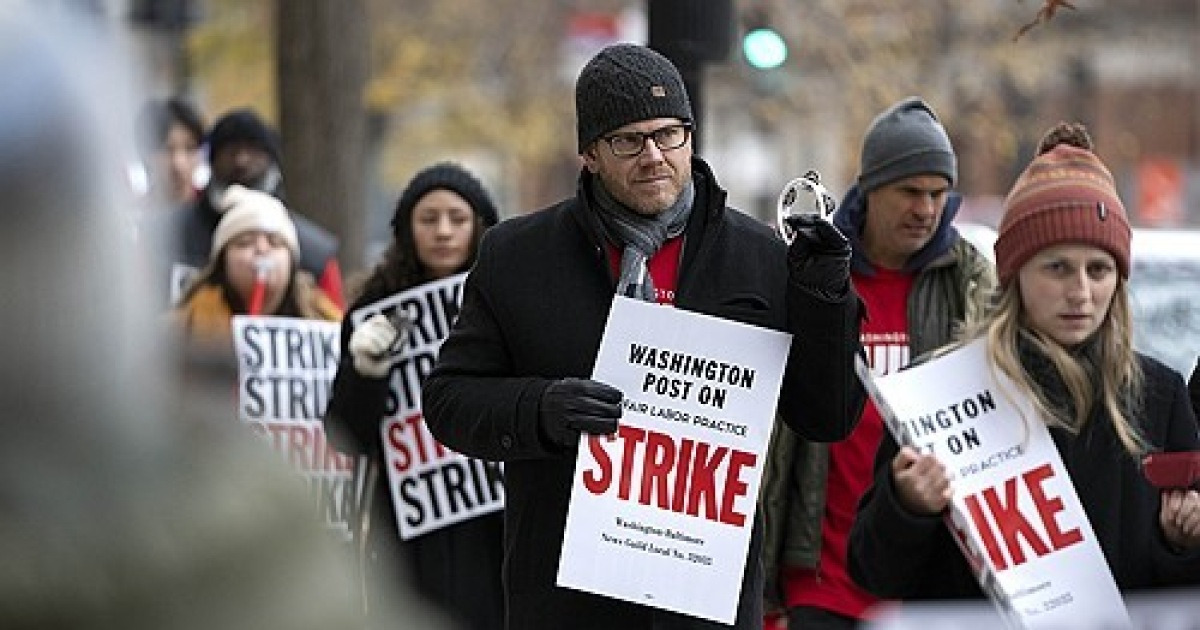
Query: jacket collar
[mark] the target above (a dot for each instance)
(851, 216)
(709, 205)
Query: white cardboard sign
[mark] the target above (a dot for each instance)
(661, 513)
(432, 487)
(1015, 513)
(285, 370)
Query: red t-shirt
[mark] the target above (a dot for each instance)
(851, 462)
(663, 267)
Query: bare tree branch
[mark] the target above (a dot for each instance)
(1045, 14)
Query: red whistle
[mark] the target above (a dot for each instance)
(262, 266)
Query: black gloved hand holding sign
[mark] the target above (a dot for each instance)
(574, 406)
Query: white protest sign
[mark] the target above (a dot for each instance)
(285, 370)
(661, 513)
(432, 486)
(1015, 512)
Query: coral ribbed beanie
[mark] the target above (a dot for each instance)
(1066, 194)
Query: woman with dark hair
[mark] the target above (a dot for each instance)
(438, 223)
(1060, 330)
(171, 133)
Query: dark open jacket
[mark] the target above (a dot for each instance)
(534, 310)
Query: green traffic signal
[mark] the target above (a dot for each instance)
(764, 48)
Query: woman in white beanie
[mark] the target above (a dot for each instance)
(254, 244)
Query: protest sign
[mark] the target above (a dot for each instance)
(432, 486)
(1014, 512)
(661, 512)
(285, 369)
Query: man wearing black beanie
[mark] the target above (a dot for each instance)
(243, 150)
(648, 221)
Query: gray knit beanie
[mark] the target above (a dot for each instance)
(626, 83)
(903, 141)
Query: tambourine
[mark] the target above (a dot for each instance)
(803, 195)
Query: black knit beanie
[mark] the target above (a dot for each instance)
(246, 126)
(447, 176)
(626, 83)
(906, 140)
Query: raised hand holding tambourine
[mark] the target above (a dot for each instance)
(803, 196)
(818, 253)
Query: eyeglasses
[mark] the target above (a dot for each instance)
(632, 143)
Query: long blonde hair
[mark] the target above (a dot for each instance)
(1115, 384)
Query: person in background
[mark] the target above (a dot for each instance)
(1060, 330)
(254, 245)
(438, 223)
(920, 282)
(649, 222)
(242, 150)
(118, 513)
(171, 133)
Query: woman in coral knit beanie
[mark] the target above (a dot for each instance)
(1060, 329)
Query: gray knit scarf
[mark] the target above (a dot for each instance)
(640, 236)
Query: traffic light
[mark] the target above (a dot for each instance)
(764, 48)
(689, 32)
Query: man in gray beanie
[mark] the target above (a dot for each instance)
(648, 221)
(919, 280)
(906, 139)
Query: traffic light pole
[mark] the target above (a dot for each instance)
(692, 72)
(690, 34)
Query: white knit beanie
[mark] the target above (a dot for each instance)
(248, 209)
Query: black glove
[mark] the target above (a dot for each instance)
(819, 257)
(572, 406)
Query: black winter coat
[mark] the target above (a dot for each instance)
(534, 310)
(457, 567)
(899, 555)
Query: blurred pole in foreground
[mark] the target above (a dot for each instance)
(692, 34)
(119, 511)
